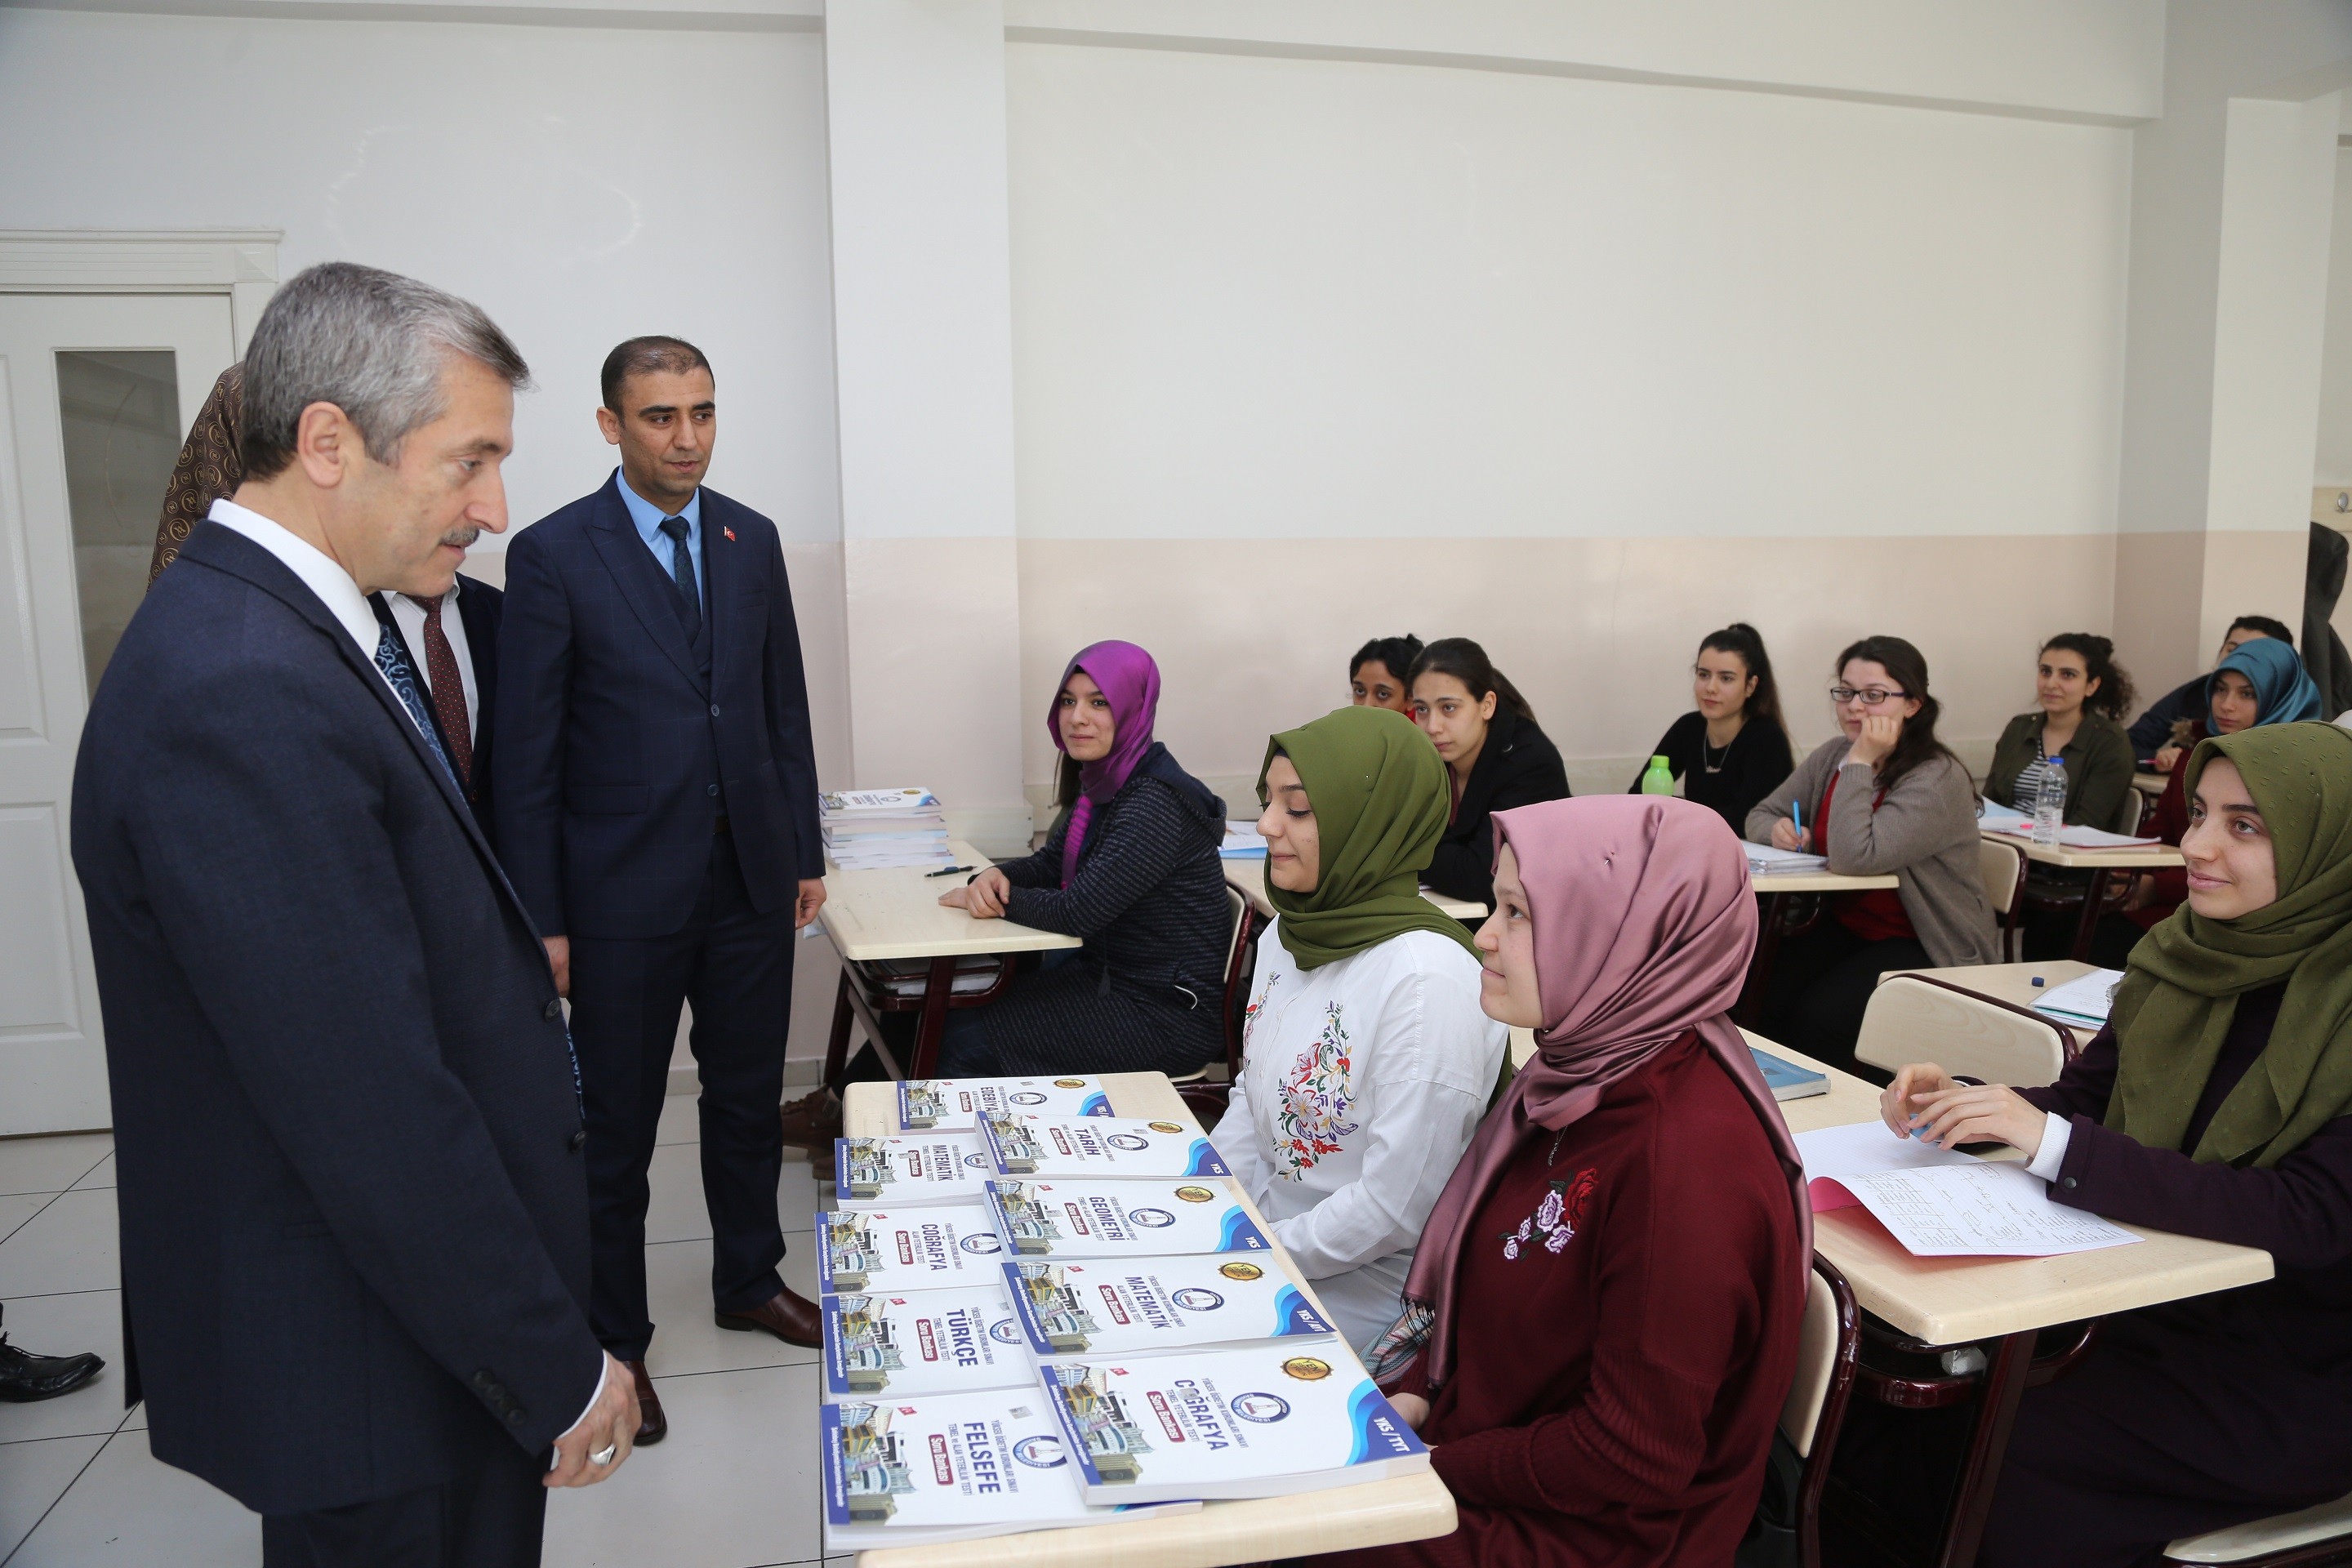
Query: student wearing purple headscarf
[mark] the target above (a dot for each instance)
(1131, 866)
(1601, 1322)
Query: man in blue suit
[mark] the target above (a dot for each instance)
(452, 643)
(657, 808)
(354, 1208)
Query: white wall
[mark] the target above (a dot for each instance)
(2333, 466)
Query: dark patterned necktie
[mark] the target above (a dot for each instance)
(389, 660)
(681, 572)
(447, 688)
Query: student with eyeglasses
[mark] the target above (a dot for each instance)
(1733, 747)
(1883, 798)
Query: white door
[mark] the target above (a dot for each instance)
(96, 392)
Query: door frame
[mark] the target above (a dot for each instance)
(241, 263)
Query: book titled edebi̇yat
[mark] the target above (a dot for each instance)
(956, 1104)
(1098, 1146)
(897, 1251)
(1120, 1307)
(1120, 1218)
(926, 1341)
(916, 1168)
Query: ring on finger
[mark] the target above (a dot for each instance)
(603, 1455)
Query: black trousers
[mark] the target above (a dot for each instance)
(1821, 982)
(735, 965)
(489, 1516)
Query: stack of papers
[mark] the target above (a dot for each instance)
(2082, 1000)
(1156, 1303)
(1763, 859)
(1120, 1219)
(1098, 1146)
(918, 1168)
(1940, 1203)
(870, 829)
(1242, 842)
(897, 1250)
(1994, 817)
(955, 1105)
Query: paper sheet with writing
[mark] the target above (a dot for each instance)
(1940, 1203)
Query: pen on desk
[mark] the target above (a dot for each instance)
(947, 870)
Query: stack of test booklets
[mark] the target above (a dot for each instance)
(869, 829)
(2083, 1000)
(1119, 1219)
(1123, 1306)
(1098, 1146)
(1242, 842)
(1940, 1203)
(893, 1251)
(1764, 860)
(955, 1105)
(925, 1341)
(914, 1168)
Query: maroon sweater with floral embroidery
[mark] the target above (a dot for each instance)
(1618, 1375)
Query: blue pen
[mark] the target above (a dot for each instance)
(1797, 818)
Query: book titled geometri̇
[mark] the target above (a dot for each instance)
(1120, 1219)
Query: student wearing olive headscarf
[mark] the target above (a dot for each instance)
(2212, 1105)
(1368, 1059)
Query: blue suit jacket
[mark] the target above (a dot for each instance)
(355, 1210)
(608, 731)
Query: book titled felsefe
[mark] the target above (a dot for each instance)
(949, 1467)
(913, 1250)
(1117, 1307)
(956, 1104)
(1264, 1421)
(1120, 1218)
(1098, 1146)
(916, 1168)
(926, 1341)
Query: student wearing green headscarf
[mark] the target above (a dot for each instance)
(1368, 1061)
(2214, 1104)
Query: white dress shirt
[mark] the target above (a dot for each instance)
(409, 617)
(1365, 1077)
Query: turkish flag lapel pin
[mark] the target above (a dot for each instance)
(729, 532)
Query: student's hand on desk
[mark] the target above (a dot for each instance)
(611, 1423)
(810, 900)
(1879, 733)
(982, 898)
(2167, 758)
(1412, 1407)
(1786, 835)
(558, 958)
(1924, 1097)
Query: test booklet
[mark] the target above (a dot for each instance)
(897, 1250)
(913, 1168)
(1121, 1306)
(926, 1341)
(1098, 1146)
(950, 1466)
(954, 1104)
(1242, 842)
(2082, 1000)
(1940, 1203)
(1786, 1079)
(1120, 1219)
(1264, 1421)
(1764, 857)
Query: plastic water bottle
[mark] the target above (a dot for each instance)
(2050, 804)
(1658, 778)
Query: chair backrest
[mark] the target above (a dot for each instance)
(1915, 1018)
(2136, 803)
(1823, 1341)
(1237, 973)
(2003, 869)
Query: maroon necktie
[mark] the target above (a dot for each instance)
(448, 693)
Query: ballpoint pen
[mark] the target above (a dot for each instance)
(947, 870)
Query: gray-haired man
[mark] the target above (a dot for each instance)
(353, 1207)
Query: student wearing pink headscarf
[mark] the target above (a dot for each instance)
(1601, 1323)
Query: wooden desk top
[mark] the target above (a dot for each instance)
(1952, 1300)
(1819, 882)
(896, 913)
(1249, 878)
(1408, 1508)
(2149, 858)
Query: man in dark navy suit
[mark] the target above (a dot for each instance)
(657, 808)
(352, 1183)
(452, 643)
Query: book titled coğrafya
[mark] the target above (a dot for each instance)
(950, 1466)
(895, 1251)
(1098, 1146)
(956, 1104)
(1120, 1219)
(1294, 1415)
(915, 1168)
(1120, 1307)
(926, 1341)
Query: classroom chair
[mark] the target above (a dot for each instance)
(2002, 865)
(1788, 1515)
(1208, 1089)
(1915, 1018)
(2304, 1539)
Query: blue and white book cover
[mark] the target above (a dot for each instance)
(950, 1466)
(894, 1251)
(1119, 1307)
(1786, 1079)
(1262, 1421)
(1121, 1219)
(915, 1168)
(1098, 1146)
(956, 1104)
(926, 1341)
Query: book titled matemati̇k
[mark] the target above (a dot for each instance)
(956, 1104)
(1120, 1219)
(1122, 1306)
(1098, 1146)
(915, 1168)
(929, 1342)
(891, 1252)
(1294, 1415)
(950, 1466)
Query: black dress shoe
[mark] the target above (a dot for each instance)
(792, 1319)
(25, 1377)
(653, 1425)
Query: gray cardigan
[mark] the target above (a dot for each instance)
(1925, 832)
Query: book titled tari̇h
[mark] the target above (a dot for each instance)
(1120, 1307)
(1098, 1146)
(927, 1342)
(911, 1168)
(1293, 1416)
(956, 1104)
(895, 1251)
(1120, 1219)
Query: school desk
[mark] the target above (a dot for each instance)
(2145, 857)
(1247, 877)
(1781, 918)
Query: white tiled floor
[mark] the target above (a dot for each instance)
(734, 1487)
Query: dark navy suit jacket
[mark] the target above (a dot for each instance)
(478, 612)
(616, 753)
(354, 1209)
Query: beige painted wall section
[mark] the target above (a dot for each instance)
(1599, 633)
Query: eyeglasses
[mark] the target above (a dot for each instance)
(1871, 697)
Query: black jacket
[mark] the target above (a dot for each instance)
(478, 611)
(1518, 766)
(2152, 731)
(353, 1206)
(1744, 771)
